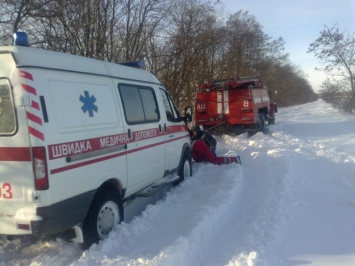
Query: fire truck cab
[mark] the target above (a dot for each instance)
(234, 105)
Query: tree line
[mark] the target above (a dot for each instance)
(182, 42)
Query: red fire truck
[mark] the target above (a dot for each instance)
(234, 105)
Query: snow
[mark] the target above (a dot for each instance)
(292, 202)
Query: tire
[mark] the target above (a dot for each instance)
(185, 169)
(105, 212)
(271, 121)
(261, 122)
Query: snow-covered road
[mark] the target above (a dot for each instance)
(292, 202)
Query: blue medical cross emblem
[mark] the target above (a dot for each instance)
(88, 103)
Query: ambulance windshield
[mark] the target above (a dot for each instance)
(7, 109)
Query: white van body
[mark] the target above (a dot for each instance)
(74, 130)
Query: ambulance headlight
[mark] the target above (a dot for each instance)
(21, 39)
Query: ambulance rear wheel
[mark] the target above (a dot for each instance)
(103, 216)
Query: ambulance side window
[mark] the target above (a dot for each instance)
(139, 104)
(170, 109)
(7, 109)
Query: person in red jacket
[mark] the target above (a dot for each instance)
(206, 137)
(201, 153)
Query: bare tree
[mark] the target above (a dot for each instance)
(19, 14)
(336, 50)
(141, 21)
(83, 27)
(187, 50)
(113, 30)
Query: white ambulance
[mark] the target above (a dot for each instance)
(78, 137)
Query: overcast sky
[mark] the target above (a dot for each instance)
(299, 23)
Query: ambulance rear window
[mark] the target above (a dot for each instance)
(7, 109)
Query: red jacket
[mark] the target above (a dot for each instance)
(201, 153)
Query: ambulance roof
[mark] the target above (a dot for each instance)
(40, 58)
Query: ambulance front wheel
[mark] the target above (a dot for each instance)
(185, 170)
(103, 216)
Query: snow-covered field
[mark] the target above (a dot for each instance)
(292, 202)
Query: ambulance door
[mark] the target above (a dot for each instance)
(85, 133)
(145, 147)
(16, 173)
(175, 132)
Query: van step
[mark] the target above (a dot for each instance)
(159, 185)
(149, 191)
(167, 180)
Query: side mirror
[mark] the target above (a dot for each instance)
(188, 114)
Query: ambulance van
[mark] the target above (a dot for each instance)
(78, 137)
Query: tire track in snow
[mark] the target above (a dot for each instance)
(267, 176)
(216, 228)
(324, 177)
(166, 234)
(313, 150)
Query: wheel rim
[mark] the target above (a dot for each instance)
(107, 218)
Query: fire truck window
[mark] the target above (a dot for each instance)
(7, 109)
(139, 104)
